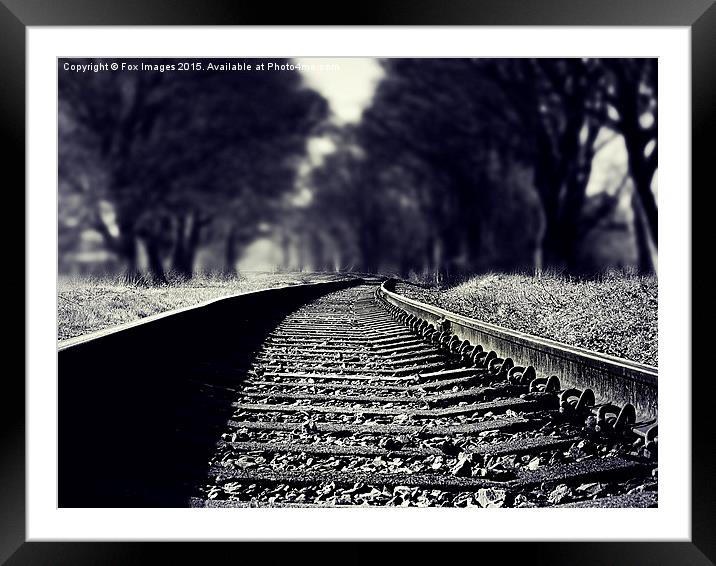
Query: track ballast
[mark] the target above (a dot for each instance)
(351, 402)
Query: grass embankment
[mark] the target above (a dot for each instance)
(85, 305)
(615, 314)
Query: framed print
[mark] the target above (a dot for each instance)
(292, 277)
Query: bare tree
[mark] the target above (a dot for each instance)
(181, 150)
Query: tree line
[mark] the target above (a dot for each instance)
(465, 165)
(166, 161)
(457, 166)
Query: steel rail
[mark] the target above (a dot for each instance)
(612, 379)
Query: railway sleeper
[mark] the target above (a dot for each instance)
(521, 446)
(515, 423)
(497, 406)
(434, 400)
(416, 389)
(594, 470)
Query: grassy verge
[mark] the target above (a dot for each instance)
(616, 314)
(85, 305)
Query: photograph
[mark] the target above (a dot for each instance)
(352, 282)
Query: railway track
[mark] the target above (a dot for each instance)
(352, 401)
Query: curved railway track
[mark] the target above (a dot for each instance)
(359, 399)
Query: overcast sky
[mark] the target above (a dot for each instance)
(349, 89)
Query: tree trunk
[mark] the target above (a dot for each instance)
(404, 266)
(447, 260)
(553, 243)
(318, 253)
(187, 241)
(231, 257)
(285, 250)
(128, 252)
(436, 261)
(637, 139)
(548, 184)
(428, 253)
(561, 181)
(179, 254)
(645, 262)
(368, 247)
(123, 244)
(474, 245)
(154, 263)
(561, 241)
(642, 174)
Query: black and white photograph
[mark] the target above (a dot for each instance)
(357, 282)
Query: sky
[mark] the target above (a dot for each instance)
(347, 84)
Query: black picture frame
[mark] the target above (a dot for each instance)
(698, 15)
